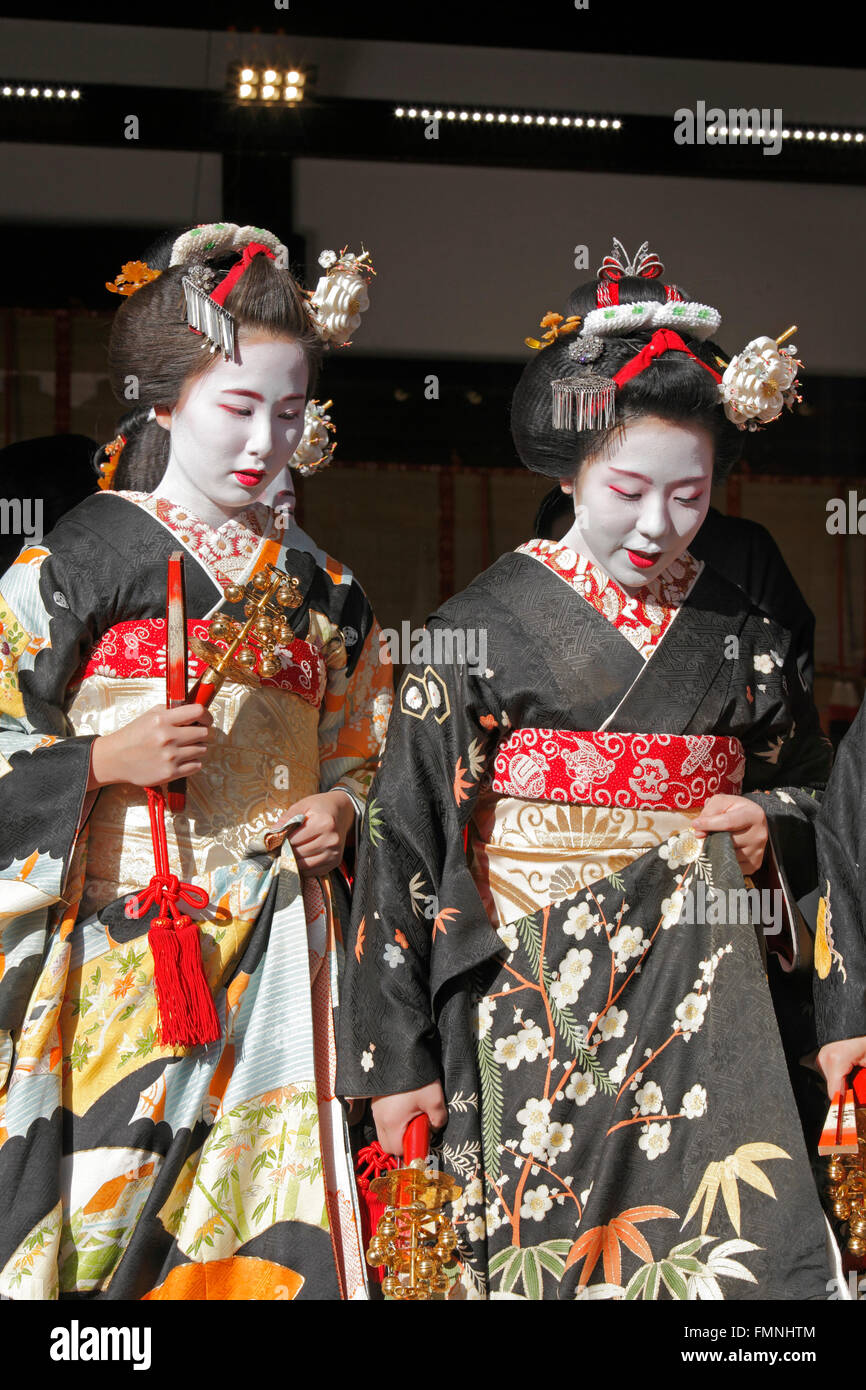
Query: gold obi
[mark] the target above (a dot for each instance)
(524, 855)
(263, 758)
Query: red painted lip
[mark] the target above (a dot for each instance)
(643, 562)
(248, 479)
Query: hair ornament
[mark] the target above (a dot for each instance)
(587, 399)
(340, 297)
(205, 310)
(617, 266)
(132, 277)
(623, 320)
(315, 450)
(585, 348)
(111, 458)
(760, 382)
(212, 240)
(583, 402)
(557, 326)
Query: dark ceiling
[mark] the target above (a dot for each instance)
(657, 28)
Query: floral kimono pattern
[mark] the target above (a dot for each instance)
(128, 1169)
(567, 957)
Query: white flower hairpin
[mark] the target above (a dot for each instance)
(760, 381)
(340, 297)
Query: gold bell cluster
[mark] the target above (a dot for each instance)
(250, 652)
(847, 1192)
(414, 1238)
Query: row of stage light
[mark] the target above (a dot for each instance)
(288, 86)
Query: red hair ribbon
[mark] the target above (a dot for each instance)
(607, 294)
(225, 286)
(663, 340)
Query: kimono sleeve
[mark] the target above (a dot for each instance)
(46, 630)
(788, 757)
(418, 920)
(352, 728)
(839, 983)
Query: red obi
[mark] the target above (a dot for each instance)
(659, 772)
(136, 650)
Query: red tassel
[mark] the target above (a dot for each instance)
(187, 1015)
(371, 1162)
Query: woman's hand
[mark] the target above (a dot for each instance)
(393, 1113)
(155, 748)
(745, 823)
(836, 1059)
(318, 844)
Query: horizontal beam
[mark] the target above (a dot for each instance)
(337, 128)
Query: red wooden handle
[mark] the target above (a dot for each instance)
(416, 1140)
(175, 659)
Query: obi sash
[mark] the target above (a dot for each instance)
(632, 771)
(136, 650)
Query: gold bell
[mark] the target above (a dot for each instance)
(234, 593)
(246, 659)
(269, 666)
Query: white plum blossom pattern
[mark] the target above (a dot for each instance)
(507, 1050)
(393, 955)
(558, 1140)
(683, 848)
(694, 1103)
(531, 1042)
(367, 1060)
(579, 920)
(537, 1202)
(574, 971)
(655, 1139)
(672, 909)
(507, 933)
(581, 1087)
(650, 1098)
(690, 1014)
(483, 1018)
(628, 943)
(613, 1023)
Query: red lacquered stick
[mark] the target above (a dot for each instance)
(416, 1140)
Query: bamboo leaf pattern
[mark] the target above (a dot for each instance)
(491, 1105)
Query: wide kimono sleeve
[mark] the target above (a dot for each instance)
(839, 984)
(418, 920)
(354, 719)
(48, 618)
(788, 756)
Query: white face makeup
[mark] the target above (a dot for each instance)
(642, 499)
(234, 429)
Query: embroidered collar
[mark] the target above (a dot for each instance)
(226, 550)
(643, 618)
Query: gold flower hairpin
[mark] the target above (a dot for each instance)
(556, 326)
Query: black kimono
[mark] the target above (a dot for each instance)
(536, 922)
